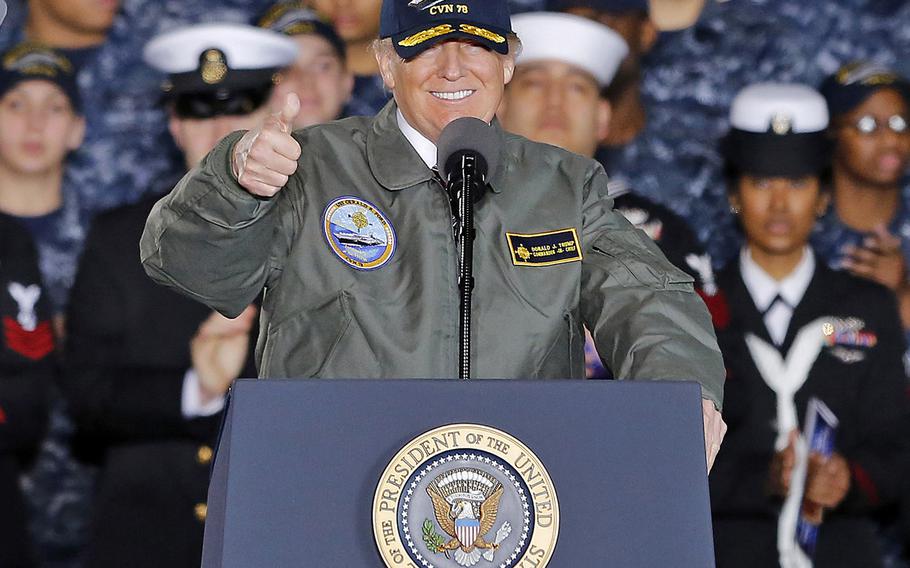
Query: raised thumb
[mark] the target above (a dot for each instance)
(289, 111)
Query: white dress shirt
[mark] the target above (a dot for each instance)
(191, 405)
(425, 148)
(776, 299)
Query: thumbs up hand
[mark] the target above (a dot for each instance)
(266, 156)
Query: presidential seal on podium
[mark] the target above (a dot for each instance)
(465, 495)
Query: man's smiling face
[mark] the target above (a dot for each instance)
(450, 80)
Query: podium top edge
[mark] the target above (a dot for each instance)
(684, 385)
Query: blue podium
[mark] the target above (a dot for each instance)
(444, 474)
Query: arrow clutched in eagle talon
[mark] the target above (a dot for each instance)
(501, 535)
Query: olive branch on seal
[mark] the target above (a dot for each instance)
(431, 538)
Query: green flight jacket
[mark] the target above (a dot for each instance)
(324, 315)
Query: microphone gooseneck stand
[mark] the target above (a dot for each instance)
(467, 148)
(465, 199)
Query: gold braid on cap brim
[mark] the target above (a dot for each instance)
(480, 32)
(426, 35)
(444, 29)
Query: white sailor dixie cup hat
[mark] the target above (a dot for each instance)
(583, 43)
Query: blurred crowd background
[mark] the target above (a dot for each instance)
(131, 153)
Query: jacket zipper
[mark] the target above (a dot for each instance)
(454, 359)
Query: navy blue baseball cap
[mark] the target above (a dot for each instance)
(855, 82)
(417, 25)
(294, 18)
(31, 61)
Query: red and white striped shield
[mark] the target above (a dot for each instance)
(467, 531)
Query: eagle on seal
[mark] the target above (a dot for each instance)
(465, 505)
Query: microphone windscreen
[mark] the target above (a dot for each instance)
(471, 135)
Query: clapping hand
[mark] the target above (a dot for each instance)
(219, 351)
(879, 258)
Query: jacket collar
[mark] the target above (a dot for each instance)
(395, 163)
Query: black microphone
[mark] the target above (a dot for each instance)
(468, 149)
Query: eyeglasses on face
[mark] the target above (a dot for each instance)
(869, 125)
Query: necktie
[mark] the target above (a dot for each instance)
(777, 319)
(778, 299)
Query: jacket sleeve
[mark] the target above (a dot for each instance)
(645, 317)
(27, 364)
(875, 452)
(212, 240)
(112, 402)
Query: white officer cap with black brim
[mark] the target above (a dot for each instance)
(580, 42)
(207, 63)
(778, 130)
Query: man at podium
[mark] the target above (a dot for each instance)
(349, 229)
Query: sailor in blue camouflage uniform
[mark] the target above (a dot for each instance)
(320, 76)
(369, 96)
(40, 124)
(26, 372)
(127, 149)
(691, 76)
(358, 25)
(34, 153)
(867, 228)
(127, 146)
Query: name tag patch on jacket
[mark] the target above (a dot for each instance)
(544, 249)
(358, 233)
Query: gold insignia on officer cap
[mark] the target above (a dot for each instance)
(781, 123)
(215, 52)
(213, 66)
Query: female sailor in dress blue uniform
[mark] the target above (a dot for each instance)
(796, 329)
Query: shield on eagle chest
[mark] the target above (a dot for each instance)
(467, 531)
